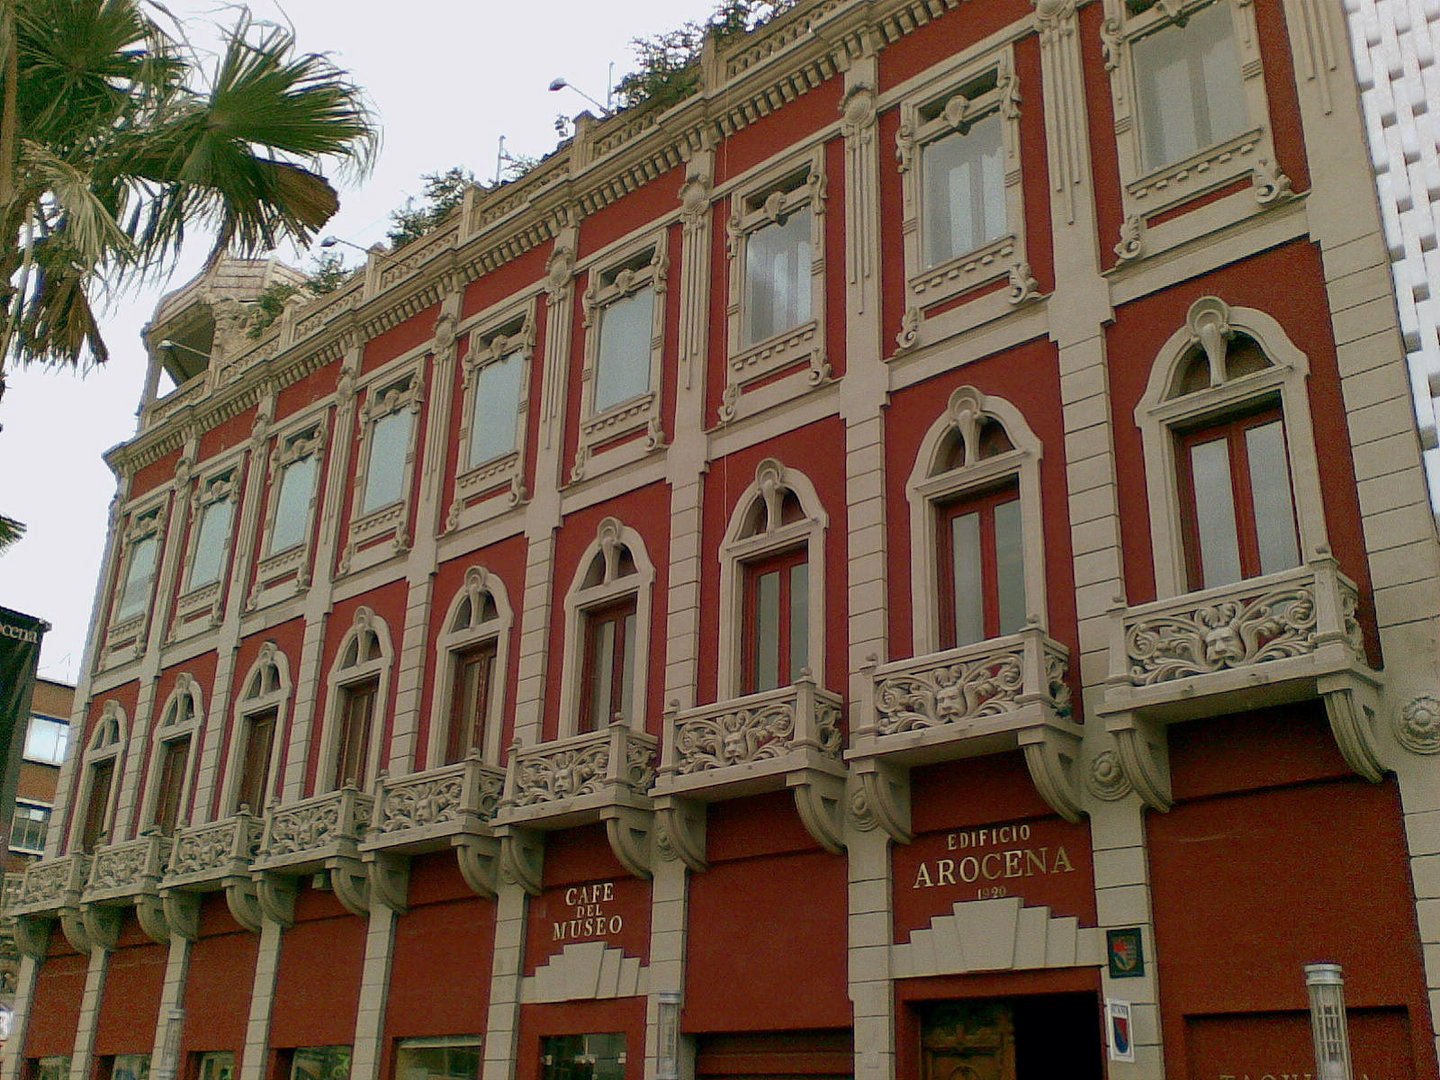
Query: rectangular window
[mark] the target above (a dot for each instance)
(139, 573)
(583, 1057)
(96, 828)
(27, 828)
(470, 701)
(1238, 506)
(320, 1063)
(51, 1068)
(215, 1065)
(130, 1067)
(46, 739)
(777, 277)
(175, 756)
(777, 620)
(982, 568)
(1188, 82)
(496, 408)
(357, 716)
(254, 787)
(292, 505)
(214, 530)
(609, 673)
(622, 366)
(389, 448)
(454, 1058)
(964, 190)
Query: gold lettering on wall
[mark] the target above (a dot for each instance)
(588, 917)
(1011, 858)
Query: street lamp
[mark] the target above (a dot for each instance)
(563, 84)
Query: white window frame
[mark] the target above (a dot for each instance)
(758, 200)
(108, 741)
(496, 485)
(291, 566)
(392, 392)
(772, 480)
(456, 638)
(266, 686)
(168, 731)
(630, 429)
(38, 804)
(1147, 193)
(125, 638)
(341, 676)
(52, 720)
(929, 487)
(202, 608)
(1209, 325)
(580, 599)
(1003, 257)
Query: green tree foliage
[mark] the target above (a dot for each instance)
(328, 274)
(441, 194)
(116, 140)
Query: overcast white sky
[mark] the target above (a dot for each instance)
(447, 78)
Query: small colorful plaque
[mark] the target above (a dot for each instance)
(1126, 954)
(1121, 1037)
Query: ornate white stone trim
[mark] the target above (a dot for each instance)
(367, 633)
(586, 971)
(467, 624)
(997, 935)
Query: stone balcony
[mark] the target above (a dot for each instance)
(1261, 642)
(788, 737)
(51, 891)
(1003, 694)
(125, 874)
(449, 806)
(599, 776)
(205, 858)
(311, 836)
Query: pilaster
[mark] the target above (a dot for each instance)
(172, 1004)
(374, 989)
(83, 1055)
(871, 929)
(254, 1058)
(669, 925)
(502, 1029)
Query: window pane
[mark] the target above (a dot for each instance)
(292, 511)
(1215, 513)
(320, 1063)
(470, 701)
(172, 784)
(1189, 87)
(357, 717)
(582, 1057)
(777, 277)
(969, 595)
(622, 369)
(53, 1068)
(799, 620)
(138, 575)
(1010, 566)
(217, 1065)
(964, 191)
(389, 444)
(626, 701)
(102, 773)
(767, 631)
(210, 543)
(438, 1059)
(255, 768)
(603, 673)
(130, 1067)
(46, 739)
(1270, 490)
(27, 828)
(496, 408)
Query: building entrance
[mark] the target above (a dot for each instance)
(1027, 1038)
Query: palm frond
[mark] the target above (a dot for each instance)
(10, 531)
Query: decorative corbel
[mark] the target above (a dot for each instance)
(73, 928)
(1144, 757)
(1050, 756)
(243, 900)
(182, 914)
(886, 788)
(32, 936)
(276, 897)
(1351, 706)
(680, 832)
(351, 881)
(479, 858)
(102, 925)
(820, 801)
(628, 831)
(390, 880)
(150, 914)
(522, 859)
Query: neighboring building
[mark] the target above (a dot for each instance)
(917, 548)
(46, 737)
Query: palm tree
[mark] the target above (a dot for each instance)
(116, 138)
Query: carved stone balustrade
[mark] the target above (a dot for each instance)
(10, 890)
(1264, 641)
(51, 890)
(321, 833)
(205, 858)
(1002, 694)
(449, 806)
(789, 737)
(123, 874)
(599, 776)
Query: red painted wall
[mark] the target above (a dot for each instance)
(130, 1005)
(317, 989)
(397, 341)
(55, 1008)
(218, 987)
(581, 859)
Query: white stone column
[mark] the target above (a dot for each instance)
(871, 930)
(502, 1029)
(374, 991)
(669, 911)
(82, 1057)
(172, 1003)
(262, 997)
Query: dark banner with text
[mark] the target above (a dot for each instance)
(20, 637)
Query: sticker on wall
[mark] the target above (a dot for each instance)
(1119, 1034)
(1125, 952)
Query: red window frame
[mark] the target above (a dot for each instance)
(253, 789)
(984, 504)
(470, 707)
(357, 718)
(175, 758)
(781, 563)
(1233, 432)
(615, 614)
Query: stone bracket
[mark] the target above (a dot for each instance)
(1144, 757)
(276, 897)
(887, 796)
(182, 914)
(102, 926)
(628, 830)
(1351, 705)
(1050, 755)
(682, 828)
(479, 858)
(32, 936)
(243, 899)
(389, 880)
(350, 878)
(150, 914)
(820, 800)
(522, 858)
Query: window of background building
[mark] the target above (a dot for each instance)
(214, 531)
(496, 406)
(320, 1063)
(292, 507)
(583, 1057)
(215, 1065)
(1189, 86)
(139, 572)
(453, 1058)
(46, 739)
(27, 828)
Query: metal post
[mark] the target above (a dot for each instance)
(1326, 984)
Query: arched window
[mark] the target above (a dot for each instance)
(1230, 465)
(977, 552)
(772, 584)
(170, 771)
(359, 680)
(101, 764)
(607, 618)
(470, 682)
(260, 717)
